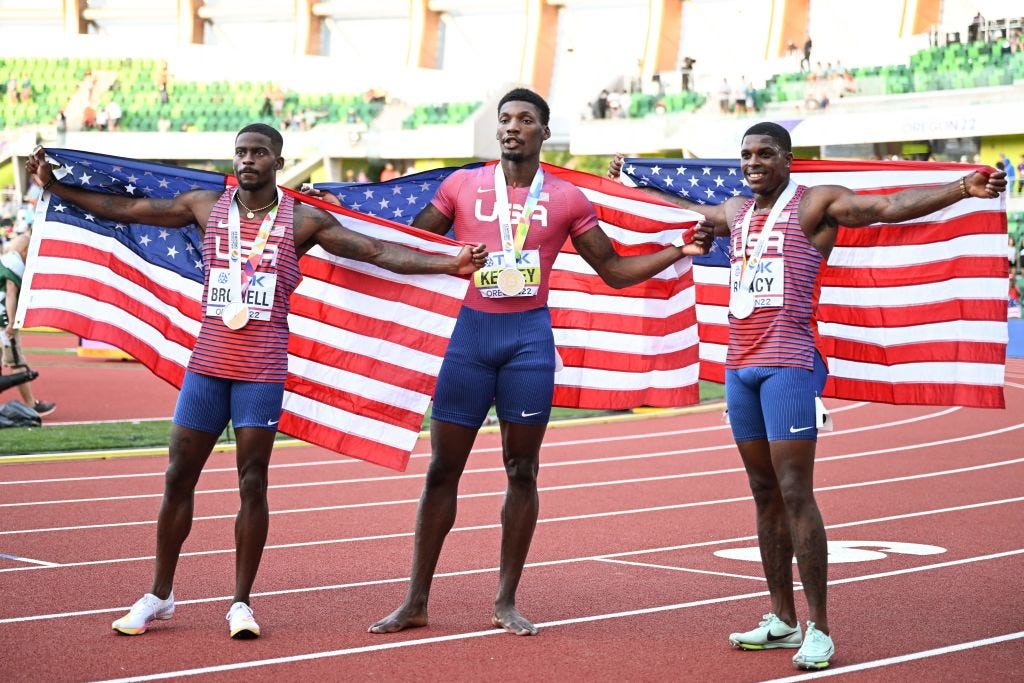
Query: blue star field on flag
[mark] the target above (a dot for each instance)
(177, 249)
(398, 200)
(701, 181)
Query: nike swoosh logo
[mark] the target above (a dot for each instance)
(772, 638)
(484, 189)
(222, 224)
(271, 423)
(526, 414)
(794, 430)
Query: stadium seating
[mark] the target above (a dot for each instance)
(445, 114)
(950, 67)
(214, 106)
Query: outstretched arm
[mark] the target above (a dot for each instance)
(623, 271)
(185, 209)
(313, 226)
(825, 207)
(852, 210)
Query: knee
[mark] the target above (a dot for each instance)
(797, 493)
(252, 485)
(765, 491)
(522, 472)
(441, 477)
(180, 481)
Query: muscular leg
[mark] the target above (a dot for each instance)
(253, 458)
(773, 527)
(521, 451)
(189, 450)
(793, 461)
(450, 446)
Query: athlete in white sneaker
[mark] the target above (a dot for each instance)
(771, 633)
(144, 612)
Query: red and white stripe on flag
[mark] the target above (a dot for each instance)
(629, 347)
(911, 313)
(365, 347)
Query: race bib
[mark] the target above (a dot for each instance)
(259, 297)
(768, 286)
(486, 279)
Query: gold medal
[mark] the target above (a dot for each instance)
(235, 315)
(511, 281)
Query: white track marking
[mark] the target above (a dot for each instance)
(529, 565)
(900, 659)
(649, 565)
(18, 558)
(350, 461)
(546, 465)
(391, 645)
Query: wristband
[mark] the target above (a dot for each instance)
(49, 183)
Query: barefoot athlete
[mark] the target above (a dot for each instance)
(774, 373)
(238, 366)
(502, 349)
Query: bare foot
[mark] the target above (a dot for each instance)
(512, 621)
(402, 618)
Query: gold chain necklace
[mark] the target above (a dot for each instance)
(252, 212)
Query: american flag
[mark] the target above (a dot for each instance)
(365, 346)
(621, 348)
(912, 313)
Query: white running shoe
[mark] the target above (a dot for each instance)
(817, 649)
(144, 612)
(770, 634)
(241, 622)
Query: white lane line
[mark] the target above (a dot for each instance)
(531, 565)
(690, 570)
(900, 659)
(236, 666)
(549, 520)
(18, 558)
(350, 461)
(546, 465)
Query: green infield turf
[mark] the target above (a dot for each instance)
(153, 434)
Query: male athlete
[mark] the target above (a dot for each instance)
(774, 373)
(502, 349)
(238, 366)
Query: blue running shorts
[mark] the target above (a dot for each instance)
(506, 359)
(774, 403)
(207, 403)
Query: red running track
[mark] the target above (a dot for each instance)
(90, 389)
(632, 573)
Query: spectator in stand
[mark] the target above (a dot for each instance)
(686, 73)
(805, 63)
(352, 116)
(739, 97)
(267, 110)
(1011, 172)
(88, 118)
(389, 172)
(974, 28)
(165, 98)
(61, 124)
(101, 119)
(113, 111)
(26, 91)
(724, 93)
(601, 105)
(12, 90)
(1020, 175)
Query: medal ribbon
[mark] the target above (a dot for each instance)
(240, 275)
(511, 246)
(749, 268)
